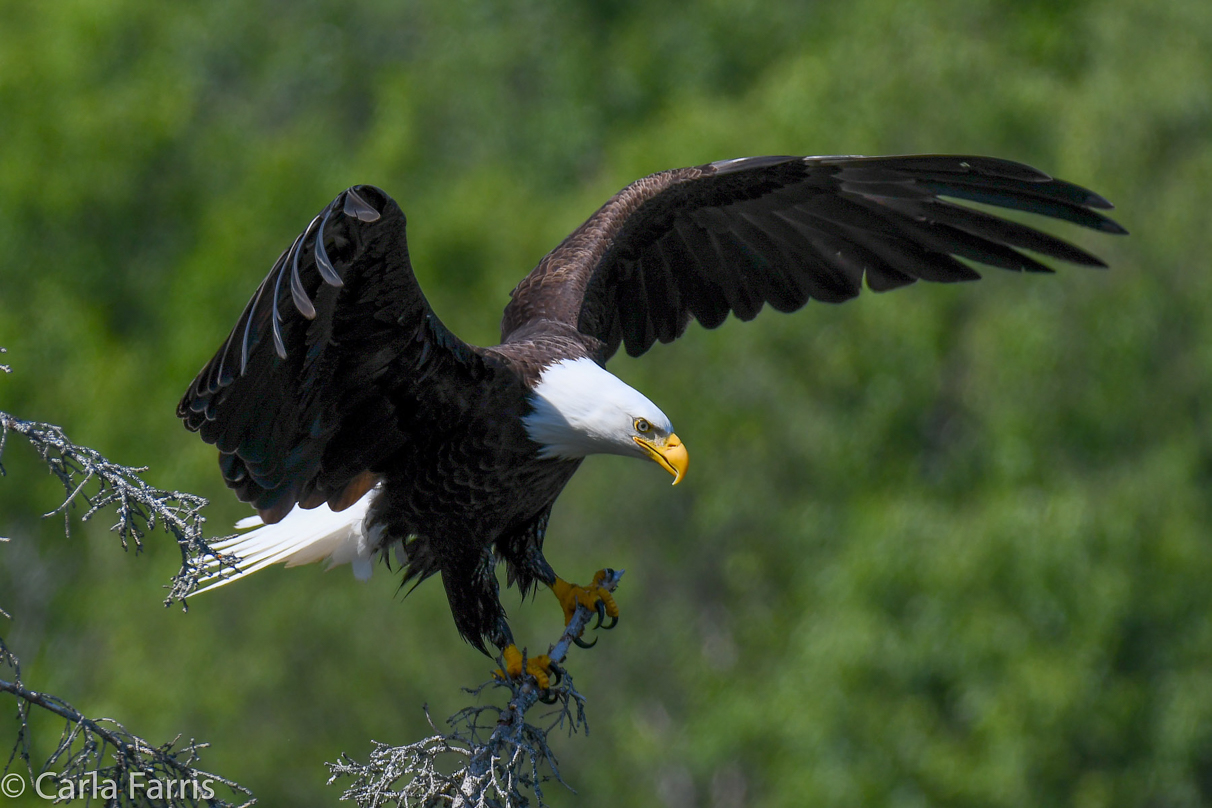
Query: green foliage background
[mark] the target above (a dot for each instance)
(945, 546)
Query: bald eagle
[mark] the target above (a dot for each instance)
(355, 422)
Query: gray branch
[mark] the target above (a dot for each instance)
(93, 751)
(90, 479)
(499, 763)
(86, 744)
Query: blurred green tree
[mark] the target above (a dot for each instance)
(941, 547)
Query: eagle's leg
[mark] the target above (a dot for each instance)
(539, 667)
(478, 614)
(515, 664)
(522, 551)
(527, 565)
(594, 597)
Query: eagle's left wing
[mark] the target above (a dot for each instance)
(732, 236)
(337, 362)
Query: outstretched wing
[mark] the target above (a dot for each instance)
(335, 362)
(734, 235)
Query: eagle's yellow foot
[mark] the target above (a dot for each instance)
(539, 667)
(594, 597)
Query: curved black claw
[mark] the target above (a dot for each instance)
(601, 613)
(614, 621)
(549, 697)
(582, 644)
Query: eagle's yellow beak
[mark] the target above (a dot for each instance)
(670, 454)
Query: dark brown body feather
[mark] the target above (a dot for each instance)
(338, 374)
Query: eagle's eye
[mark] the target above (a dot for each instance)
(642, 426)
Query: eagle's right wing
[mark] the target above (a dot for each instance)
(731, 236)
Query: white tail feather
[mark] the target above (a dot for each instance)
(303, 537)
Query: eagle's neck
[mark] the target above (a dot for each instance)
(579, 409)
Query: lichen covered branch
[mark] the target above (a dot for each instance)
(103, 752)
(498, 758)
(97, 759)
(91, 480)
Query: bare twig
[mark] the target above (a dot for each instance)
(99, 759)
(103, 752)
(140, 507)
(497, 763)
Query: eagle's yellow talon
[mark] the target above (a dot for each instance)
(537, 666)
(594, 597)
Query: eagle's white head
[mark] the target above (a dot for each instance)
(580, 409)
